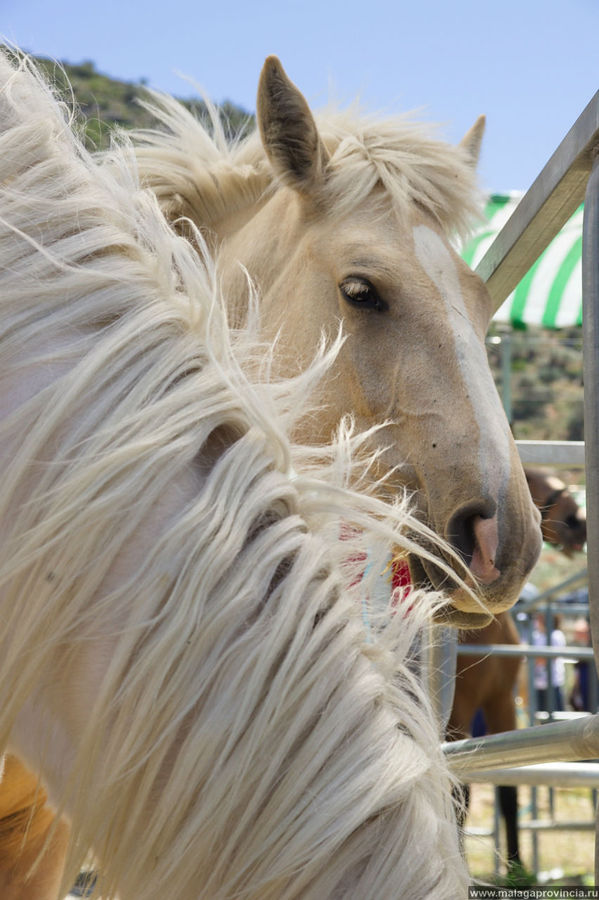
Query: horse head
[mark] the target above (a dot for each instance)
(563, 522)
(358, 231)
(346, 219)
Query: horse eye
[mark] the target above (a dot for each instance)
(360, 293)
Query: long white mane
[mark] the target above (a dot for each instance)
(181, 652)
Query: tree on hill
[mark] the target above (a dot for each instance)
(104, 103)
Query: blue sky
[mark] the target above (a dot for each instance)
(530, 65)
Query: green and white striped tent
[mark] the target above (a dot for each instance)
(550, 294)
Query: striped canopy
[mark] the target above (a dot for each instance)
(550, 294)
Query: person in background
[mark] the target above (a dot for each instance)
(558, 669)
(579, 695)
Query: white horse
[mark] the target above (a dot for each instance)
(181, 656)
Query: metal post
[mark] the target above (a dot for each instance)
(496, 831)
(590, 295)
(506, 373)
(550, 663)
(590, 300)
(534, 812)
(440, 666)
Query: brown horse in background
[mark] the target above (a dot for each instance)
(563, 522)
(488, 683)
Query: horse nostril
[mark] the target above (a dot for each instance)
(460, 534)
(473, 532)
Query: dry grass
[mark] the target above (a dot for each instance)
(562, 855)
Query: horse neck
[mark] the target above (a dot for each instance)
(502, 630)
(236, 219)
(221, 199)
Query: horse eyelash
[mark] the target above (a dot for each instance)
(376, 303)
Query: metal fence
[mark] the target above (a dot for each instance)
(570, 176)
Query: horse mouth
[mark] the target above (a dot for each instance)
(428, 577)
(569, 547)
(455, 618)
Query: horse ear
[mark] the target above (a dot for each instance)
(288, 130)
(472, 140)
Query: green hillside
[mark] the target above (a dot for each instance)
(105, 103)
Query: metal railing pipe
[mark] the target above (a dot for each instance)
(563, 774)
(528, 650)
(551, 453)
(547, 205)
(554, 742)
(590, 315)
(590, 297)
(551, 594)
